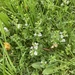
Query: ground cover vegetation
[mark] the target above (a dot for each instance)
(37, 37)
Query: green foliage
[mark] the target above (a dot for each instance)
(42, 37)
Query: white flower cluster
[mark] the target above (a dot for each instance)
(34, 48)
(43, 62)
(65, 2)
(32, 53)
(62, 37)
(35, 53)
(55, 45)
(20, 25)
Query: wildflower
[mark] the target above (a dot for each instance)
(36, 44)
(31, 47)
(35, 34)
(54, 45)
(41, 62)
(7, 46)
(18, 26)
(31, 52)
(62, 4)
(35, 53)
(61, 36)
(26, 24)
(63, 40)
(36, 47)
(61, 33)
(45, 62)
(5, 28)
(39, 34)
(67, 2)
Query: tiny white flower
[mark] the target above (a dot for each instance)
(45, 62)
(36, 47)
(39, 34)
(18, 26)
(31, 52)
(5, 28)
(41, 62)
(55, 45)
(61, 36)
(31, 47)
(63, 40)
(36, 23)
(26, 24)
(35, 34)
(62, 4)
(67, 2)
(35, 53)
(36, 44)
(61, 33)
(52, 46)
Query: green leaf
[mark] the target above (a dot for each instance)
(36, 65)
(35, 73)
(50, 70)
(4, 18)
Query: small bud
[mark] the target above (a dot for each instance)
(55, 45)
(35, 53)
(52, 46)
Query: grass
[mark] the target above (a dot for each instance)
(42, 37)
